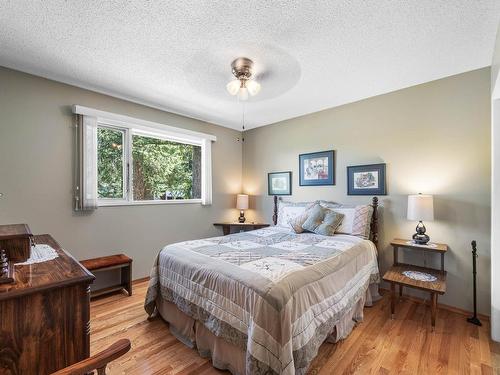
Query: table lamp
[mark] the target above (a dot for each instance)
(420, 207)
(242, 204)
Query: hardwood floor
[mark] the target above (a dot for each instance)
(378, 345)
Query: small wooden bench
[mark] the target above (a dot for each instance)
(111, 262)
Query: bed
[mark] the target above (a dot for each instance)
(263, 301)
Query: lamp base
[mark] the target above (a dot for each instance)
(474, 320)
(242, 218)
(420, 237)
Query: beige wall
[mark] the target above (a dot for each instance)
(435, 138)
(36, 148)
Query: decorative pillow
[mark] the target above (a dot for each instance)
(290, 210)
(297, 221)
(362, 220)
(356, 221)
(322, 221)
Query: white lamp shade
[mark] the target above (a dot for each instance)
(420, 207)
(253, 87)
(242, 202)
(233, 86)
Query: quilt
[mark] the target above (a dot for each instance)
(273, 293)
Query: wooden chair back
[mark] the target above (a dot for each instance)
(99, 361)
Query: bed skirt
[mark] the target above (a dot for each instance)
(226, 356)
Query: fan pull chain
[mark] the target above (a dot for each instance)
(242, 102)
(242, 114)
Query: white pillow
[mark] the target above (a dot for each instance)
(289, 210)
(356, 221)
(345, 226)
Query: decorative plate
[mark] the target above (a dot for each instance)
(420, 276)
(429, 244)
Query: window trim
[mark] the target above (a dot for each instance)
(126, 121)
(131, 126)
(121, 202)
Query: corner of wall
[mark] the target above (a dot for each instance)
(495, 191)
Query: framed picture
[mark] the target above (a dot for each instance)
(317, 168)
(366, 180)
(279, 183)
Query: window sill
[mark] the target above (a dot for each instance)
(147, 203)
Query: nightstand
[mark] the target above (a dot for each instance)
(395, 275)
(241, 227)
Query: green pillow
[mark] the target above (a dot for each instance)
(322, 221)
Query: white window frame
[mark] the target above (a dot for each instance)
(132, 126)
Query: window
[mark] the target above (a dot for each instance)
(165, 170)
(110, 163)
(138, 162)
(139, 167)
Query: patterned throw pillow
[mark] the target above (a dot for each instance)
(322, 221)
(297, 221)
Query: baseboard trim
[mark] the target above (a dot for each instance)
(141, 280)
(440, 305)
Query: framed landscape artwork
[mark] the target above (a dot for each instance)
(279, 183)
(317, 168)
(366, 180)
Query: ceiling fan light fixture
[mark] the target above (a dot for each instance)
(233, 87)
(243, 85)
(243, 93)
(253, 87)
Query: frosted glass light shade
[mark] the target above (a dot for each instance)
(233, 86)
(253, 87)
(243, 93)
(242, 202)
(243, 88)
(420, 207)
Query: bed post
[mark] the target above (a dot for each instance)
(275, 211)
(374, 223)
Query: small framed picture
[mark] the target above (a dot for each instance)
(366, 180)
(317, 168)
(279, 183)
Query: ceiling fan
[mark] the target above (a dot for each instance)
(243, 85)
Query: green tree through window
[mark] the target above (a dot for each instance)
(109, 163)
(161, 169)
(165, 169)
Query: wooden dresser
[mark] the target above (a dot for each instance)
(45, 315)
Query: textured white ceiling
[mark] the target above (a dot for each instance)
(309, 55)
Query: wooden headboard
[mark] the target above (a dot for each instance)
(373, 224)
